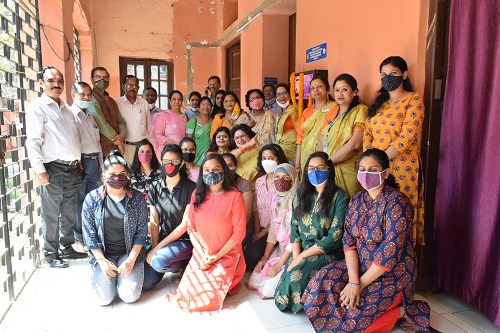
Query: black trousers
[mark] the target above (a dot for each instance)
(58, 206)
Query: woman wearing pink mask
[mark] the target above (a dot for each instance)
(375, 285)
(262, 122)
(145, 167)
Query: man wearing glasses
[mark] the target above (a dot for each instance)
(54, 153)
(91, 158)
(112, 126)
(135, 111)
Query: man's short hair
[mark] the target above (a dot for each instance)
(46, 68)
(269, 85)
(150, 88)
(214, 77)
(126, 77)
(81, 84)
(98, 69)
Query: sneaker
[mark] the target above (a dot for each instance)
(56, 263)
(80, 246)
(70, 253)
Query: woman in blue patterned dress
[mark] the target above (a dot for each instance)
(375, 285)
(114, 221)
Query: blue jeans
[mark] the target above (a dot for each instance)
(170, 258)
(92, 175)
(128, 288)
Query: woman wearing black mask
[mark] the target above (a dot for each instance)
(114, 222)
(189, 154)
(168, 199)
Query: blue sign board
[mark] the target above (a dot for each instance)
(315, 53)
(271, 80)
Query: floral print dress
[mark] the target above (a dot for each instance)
(380, 230)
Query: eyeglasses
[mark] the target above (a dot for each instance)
(236, 138)
(255, 98)
(318, 167)
(284, 94)
(52, 81)
(173, 162)
(135, 86)
(98, 77)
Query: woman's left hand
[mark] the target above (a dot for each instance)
(207, 261)
(126, 267)
(350, 296)
(295, 262)
(274, 269)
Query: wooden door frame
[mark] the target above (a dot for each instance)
(233, 43)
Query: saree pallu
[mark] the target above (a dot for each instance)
(335, 134)
(201, 136)
(287, 140)
(311, 128)
(247, 165)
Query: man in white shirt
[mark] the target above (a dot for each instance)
(54, 152)
(135, 111)
(90, 144)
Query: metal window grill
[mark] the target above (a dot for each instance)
(20, 61)
(77, 56)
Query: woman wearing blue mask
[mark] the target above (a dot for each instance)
(316, 230)
(216, 227)
(375, 285)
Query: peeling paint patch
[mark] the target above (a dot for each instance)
(200, 9)
(212, 10)
(204, 42)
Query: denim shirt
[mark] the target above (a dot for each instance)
(135, 222)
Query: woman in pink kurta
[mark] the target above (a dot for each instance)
(169, 126)
(216, 226)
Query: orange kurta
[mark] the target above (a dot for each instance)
(219, 219)
(400, 125)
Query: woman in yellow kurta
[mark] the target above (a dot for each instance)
(342, 133)
(394, 125)
(309, 129)
(286, 129)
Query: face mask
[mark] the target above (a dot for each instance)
(193, 109)
(83, 104)
(145, 157)
(282, 184)
(269, 165)
(151, 106)
(318, 178)
(213, 178)
(172, 170)
(391, 83)
(101, 84)
(256, 104)
(188, 157)
(117, 181)
(370, 180)
(283, 106)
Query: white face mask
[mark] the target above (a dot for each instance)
(269, 165)
(152, 106)
(283, 106)
(194, 109)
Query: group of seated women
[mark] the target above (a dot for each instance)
(326, 229)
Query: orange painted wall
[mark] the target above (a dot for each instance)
(251, 57)
(361, 36)
(275, 47)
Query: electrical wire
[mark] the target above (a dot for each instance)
(70, 51)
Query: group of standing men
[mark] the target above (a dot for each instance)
(66, 145)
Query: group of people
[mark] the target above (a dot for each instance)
(323, 206)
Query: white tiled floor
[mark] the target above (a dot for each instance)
(60, 300)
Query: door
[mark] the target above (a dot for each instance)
(233, 81)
